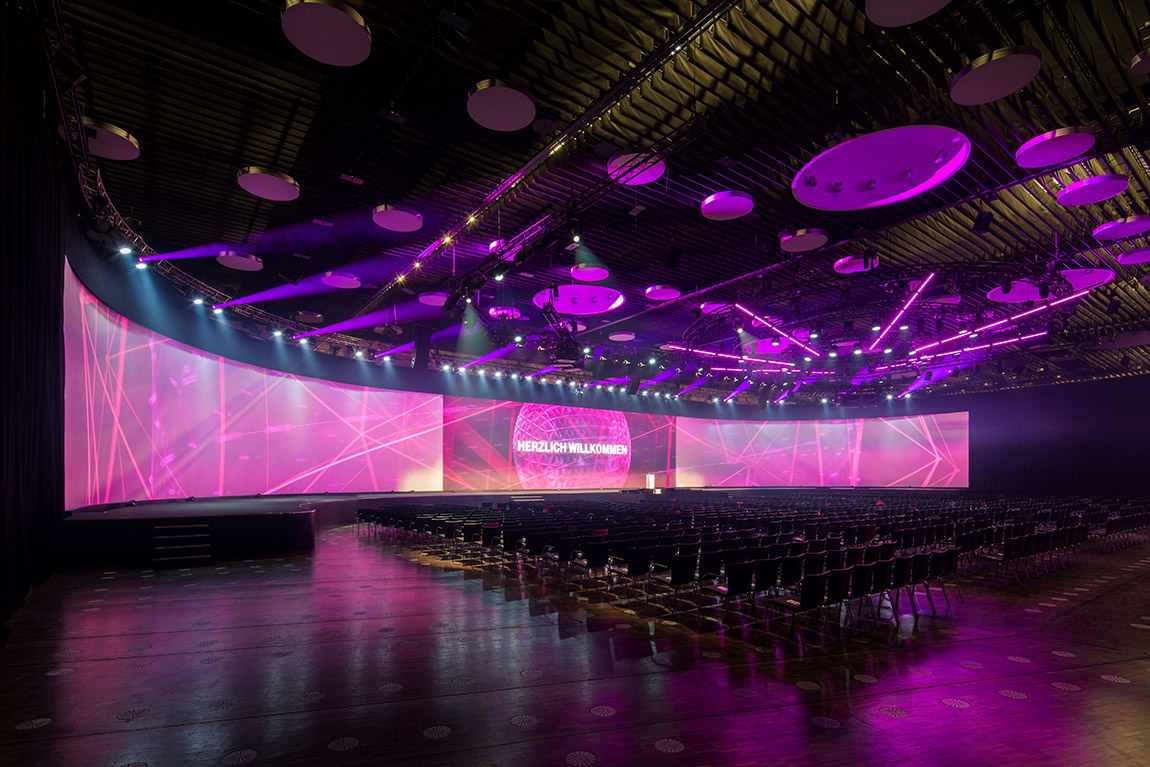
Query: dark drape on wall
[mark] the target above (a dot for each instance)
(31, 337)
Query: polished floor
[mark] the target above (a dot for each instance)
(365, 654)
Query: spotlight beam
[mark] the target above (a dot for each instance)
(746, 384)
(770, 325)
(910, 300)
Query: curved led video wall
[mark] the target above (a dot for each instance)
(150, 418)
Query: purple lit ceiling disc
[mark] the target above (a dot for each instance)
(1084, 279)
(579, 326)
(1095, 189)
(504, 313)
(1020, 292)
(340, 280)
(501, 105)
(995, 75)
(433, 298)
(635, 168)
(1136, 256)
(397, 218)
(1054, 147)
(855, 264)
(327, 31)
(662, 292)
(589, 272)
(112, 143)
(580, 299)
(881, 168)
(802, 240)
(622, 336)
(267, 184)
(309, 318)
(899, 13)
(1123, 228)
(1140, 64)
(714, 307)
(242, 262)
(727, 206)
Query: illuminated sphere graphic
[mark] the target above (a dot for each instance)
(546, 470)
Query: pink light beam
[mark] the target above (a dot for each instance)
(910, 300)
(770, 325)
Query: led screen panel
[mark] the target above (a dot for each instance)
(150, 418)
(493, 445)
(908, 451)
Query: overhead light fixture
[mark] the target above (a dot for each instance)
(359, 352)
(125, 250)
(141, 265)
(982, 222)
(387, 358)
(198, 301)
(217, 310)
(277, 332)
(303, 342)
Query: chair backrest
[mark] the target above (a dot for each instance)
(596, 553)
(710, 564)
(664, 554)
(739, 577)
(855, 555)
(920, 568)
(862, 579)
(902, 571)
(639, 560)
(792, 571)
(883, 575)
(767, 573)
(813, 591)
(815, 563)
(836, 559)
(937, 565)
(683, 569)
(838, 585)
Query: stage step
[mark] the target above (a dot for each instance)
(177, 545)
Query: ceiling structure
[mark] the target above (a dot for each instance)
(732, 101)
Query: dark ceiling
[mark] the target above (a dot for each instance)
(733, 95)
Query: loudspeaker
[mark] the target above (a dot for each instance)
(674, 254)
(422, 355)
(633, 385)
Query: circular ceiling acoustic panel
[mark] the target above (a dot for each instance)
(1055, 147)
(635, 168)
(1016, 292)
(622, 336)
(504, 313)
(501, 105)
(1140, 64)
(881, 168)
(856, 264)
(112, 143)
(589, 272)
(1094, 189)
(802, 240)
(1136, 256)
(900, 13)
(308, 318)
(995, 75)
(580, 299)
(340, 280)
(241, 262)
(727, 205)
(397, 218)
(1123, 228)
(433, 298)
(662, 292)
(328, 31)
(1085, 279)
(714, 307)
(267, 184)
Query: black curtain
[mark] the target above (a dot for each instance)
(31, 316)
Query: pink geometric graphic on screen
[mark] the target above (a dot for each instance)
(913, 451)
(147, 417)
(539, 470)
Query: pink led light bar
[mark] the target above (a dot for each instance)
(997, 323)
(988, 345)
(724, 355)
(767, 323)
(910, 300)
